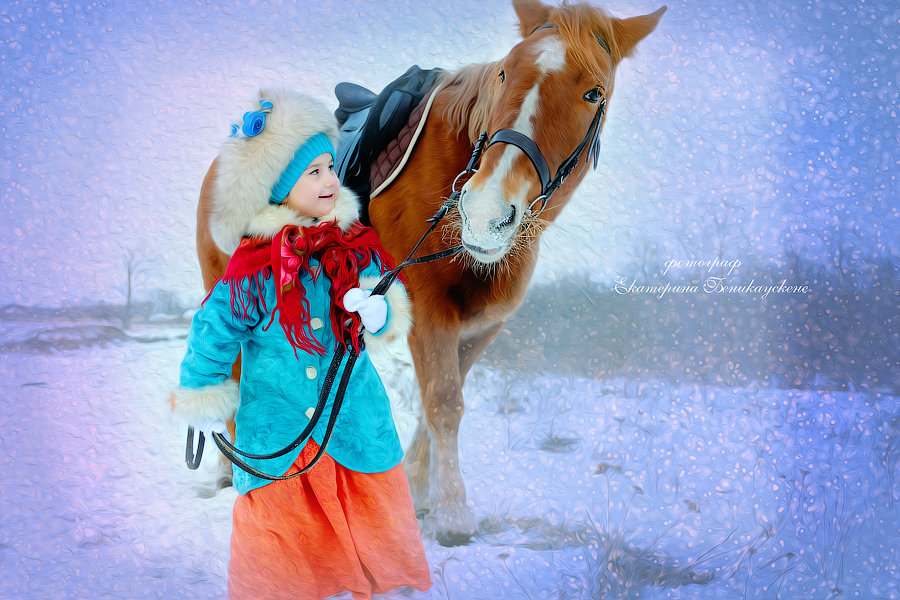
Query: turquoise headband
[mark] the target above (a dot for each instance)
(305, 154)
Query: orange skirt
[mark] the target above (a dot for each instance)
(324, 532)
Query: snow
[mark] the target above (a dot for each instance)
(617, 443)
(583, 488)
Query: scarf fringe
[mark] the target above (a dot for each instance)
(244, 304)
(342, 255)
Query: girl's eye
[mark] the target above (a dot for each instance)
(502, 75)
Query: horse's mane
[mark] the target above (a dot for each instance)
(468, 105)
(577, 25)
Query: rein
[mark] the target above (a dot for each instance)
(230, 451)
(548, 188)
(193, 457)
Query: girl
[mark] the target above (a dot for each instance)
(296, 286)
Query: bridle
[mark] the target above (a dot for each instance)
(548, 188)
(530, 148)
(193, 457)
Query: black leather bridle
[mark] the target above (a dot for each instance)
(548, 188)
(530, 148)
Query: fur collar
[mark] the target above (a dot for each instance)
(272, 219)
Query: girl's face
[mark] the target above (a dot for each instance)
(315, 193)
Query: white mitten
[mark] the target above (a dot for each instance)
(372, 310)
(210, 426)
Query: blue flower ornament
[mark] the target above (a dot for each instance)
(253, 122)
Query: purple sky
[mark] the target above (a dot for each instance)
(737, 129)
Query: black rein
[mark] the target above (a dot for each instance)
(548, 188)
(192, 457)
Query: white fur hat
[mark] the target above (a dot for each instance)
(249, 167)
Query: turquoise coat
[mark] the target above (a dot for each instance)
(279, 387)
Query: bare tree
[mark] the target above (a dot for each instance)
(133, 266)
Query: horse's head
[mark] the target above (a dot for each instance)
(550, 90)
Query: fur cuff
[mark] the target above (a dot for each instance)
(219, 401)
(399, 313)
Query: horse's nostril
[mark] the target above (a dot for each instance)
(510, 218)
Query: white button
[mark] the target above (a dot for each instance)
(309, 412)
(311, 372)
(316, 323)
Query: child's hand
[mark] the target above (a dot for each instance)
(372, 310)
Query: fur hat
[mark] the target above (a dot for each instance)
(250, 166)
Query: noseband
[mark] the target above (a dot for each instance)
(531, 150)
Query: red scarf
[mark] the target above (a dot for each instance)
(341, 255)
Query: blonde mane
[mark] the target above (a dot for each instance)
(469, 100)
(578, 26)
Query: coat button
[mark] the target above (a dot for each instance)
(311, 372)
(316, 323)
(309, 412)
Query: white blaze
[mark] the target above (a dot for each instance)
(487, 204)
(552, 58)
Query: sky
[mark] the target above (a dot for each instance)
(742, 130)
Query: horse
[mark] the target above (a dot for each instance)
(545, 105)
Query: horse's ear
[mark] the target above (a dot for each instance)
(629, 32)
(532, 14)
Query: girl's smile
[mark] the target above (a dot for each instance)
(316, 191)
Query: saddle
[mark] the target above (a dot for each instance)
(376, 130)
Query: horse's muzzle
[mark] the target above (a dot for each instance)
(488, 225)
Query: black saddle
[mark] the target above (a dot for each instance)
(368, 122)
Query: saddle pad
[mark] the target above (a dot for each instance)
(394, 157)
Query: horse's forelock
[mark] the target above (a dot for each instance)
(578, 26)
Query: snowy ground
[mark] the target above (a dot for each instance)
(686, 447)
(585, 488)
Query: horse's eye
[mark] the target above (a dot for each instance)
(593, 95)
(502, 75)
